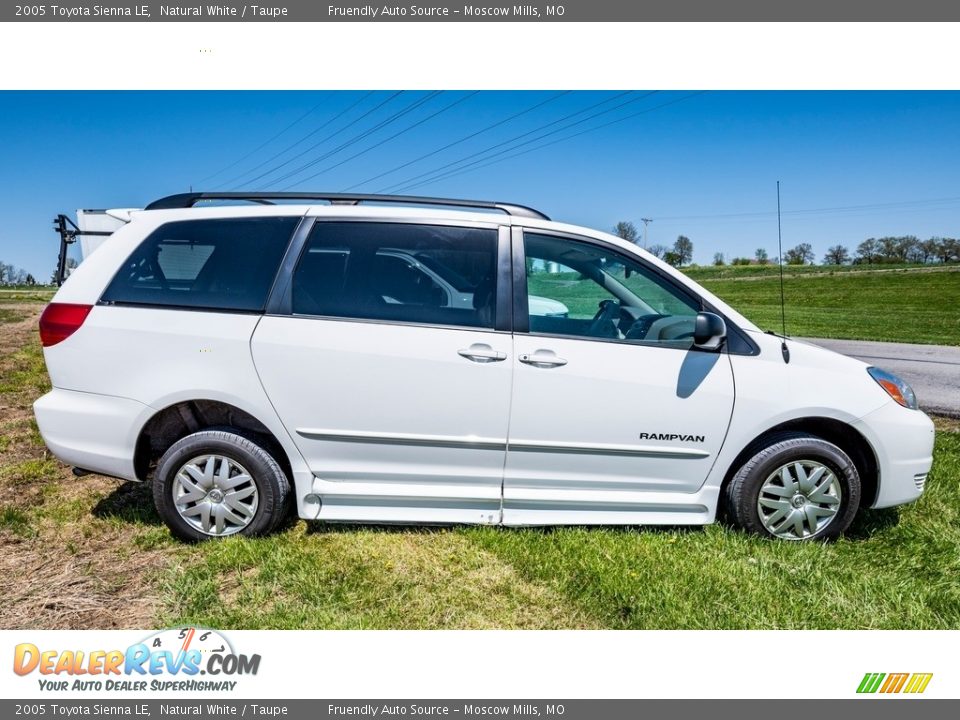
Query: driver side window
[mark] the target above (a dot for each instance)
(579, 289)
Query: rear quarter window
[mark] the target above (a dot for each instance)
(211, 264)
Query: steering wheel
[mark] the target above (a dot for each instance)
(604, 323)
(641, 326)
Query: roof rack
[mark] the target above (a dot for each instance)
(188, 200)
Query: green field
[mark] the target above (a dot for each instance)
(919, 306)
(91, 553)
(24, 294)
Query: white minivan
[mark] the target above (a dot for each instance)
(394, 359)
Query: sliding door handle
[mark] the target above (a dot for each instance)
(482, 353)
(543, 359)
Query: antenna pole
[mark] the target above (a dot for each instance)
(645, 221)
(783, 306)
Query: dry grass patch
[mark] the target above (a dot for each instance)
(945, 424)
(17, 322)
(61, 565)
(80, 583)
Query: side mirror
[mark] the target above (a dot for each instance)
(709, 331)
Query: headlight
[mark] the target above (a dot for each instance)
(895, 387)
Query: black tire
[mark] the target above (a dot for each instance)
(272, 484)
(743, 492)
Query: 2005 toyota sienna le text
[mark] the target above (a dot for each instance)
(410, 360)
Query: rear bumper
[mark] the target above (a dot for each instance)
(90, 431)
(903, 442)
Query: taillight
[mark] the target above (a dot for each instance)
(61, 320)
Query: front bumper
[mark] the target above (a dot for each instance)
(90, 431)
(902, 440)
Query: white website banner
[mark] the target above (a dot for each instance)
(486, 664)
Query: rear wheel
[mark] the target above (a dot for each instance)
(796, 487)
(217, 483)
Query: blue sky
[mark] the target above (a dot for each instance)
(703, 165)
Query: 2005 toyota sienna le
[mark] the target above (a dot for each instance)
(421, 360)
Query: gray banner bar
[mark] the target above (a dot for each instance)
(196, 709)
(447, 11)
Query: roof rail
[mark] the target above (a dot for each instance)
(188, 200)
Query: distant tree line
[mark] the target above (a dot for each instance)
(11, 275)
(906, 249)
(872, 251)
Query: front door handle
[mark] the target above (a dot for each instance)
(543, 359)
(482, 353)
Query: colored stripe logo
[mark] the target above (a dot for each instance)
(894, 683)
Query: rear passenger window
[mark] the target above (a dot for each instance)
(398, 272)
(213, 264)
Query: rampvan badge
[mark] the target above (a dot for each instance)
(670, 437)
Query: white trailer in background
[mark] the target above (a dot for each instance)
(91, 229)
(99, 221)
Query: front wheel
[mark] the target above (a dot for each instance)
(797, 487)
(216, 483)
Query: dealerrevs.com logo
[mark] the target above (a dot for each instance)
(172, 660)
(890, 683)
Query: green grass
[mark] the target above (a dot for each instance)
(27, 294)
(30, 471)
(17, 521)
(27, 374)
(8, 315)
(339, 577)
(918, 307)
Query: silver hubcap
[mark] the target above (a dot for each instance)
(215, 495)
(799, 500)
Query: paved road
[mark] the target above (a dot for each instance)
(932, 370)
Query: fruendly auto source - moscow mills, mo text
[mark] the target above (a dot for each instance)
(268, 12)
(467, 11)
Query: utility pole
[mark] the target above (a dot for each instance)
(645, 221)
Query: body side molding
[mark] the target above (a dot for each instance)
(483, 443)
